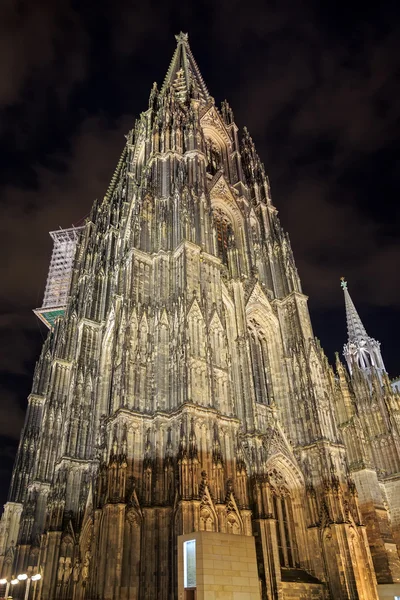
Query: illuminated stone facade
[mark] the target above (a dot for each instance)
(183, 390)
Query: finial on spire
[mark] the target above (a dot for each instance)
(184, 72)
(182, 37)
(343, 283)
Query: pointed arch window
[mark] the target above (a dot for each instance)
(197, 333)
(260, 366)
(163, 370)
(225, 235)
(287, 547)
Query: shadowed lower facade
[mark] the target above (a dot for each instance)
(183, 391)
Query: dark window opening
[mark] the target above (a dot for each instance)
(214, 160)
(284, 530)
(260, 367)
(225, 237)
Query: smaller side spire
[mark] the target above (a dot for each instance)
(360, 349)
(355, 328)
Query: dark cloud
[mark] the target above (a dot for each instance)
(317, 86)
(41, 43)
(11, 414)
(325, 118)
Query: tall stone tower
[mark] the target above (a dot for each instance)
(368, 415)
(182, 390)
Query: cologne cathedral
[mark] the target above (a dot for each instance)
(181, 391)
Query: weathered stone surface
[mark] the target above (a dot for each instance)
(226, 566)
(183, 390)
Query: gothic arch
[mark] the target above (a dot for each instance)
(289, 471)
(266, 350)
(233, 362)
(233, 519)
(208, 519)
(143, 335)
(142, 366)
(223, 199)
(259, 307)
(214, 134)
(221, 378)
(254, 227)
(163, 353)
(223, 202)
(289, 502)
(217, 334)
(132, 345)
(8, 561)
(65, 564)
(131, 547)
(105, 370)
(215, 156)
(211, 132)
(197, 333)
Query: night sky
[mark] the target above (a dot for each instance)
(316, 83)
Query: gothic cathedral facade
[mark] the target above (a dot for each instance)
(183, 389)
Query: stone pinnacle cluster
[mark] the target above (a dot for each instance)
(183, 390)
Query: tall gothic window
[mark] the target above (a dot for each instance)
(225, 237)
(260, 366)
(282, 507)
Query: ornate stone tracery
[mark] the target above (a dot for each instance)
(183, 390)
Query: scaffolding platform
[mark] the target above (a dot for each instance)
(60, 274)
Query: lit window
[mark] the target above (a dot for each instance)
(189, 564)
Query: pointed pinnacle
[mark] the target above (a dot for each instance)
(355, 328)
(183, 60)
(182, 38)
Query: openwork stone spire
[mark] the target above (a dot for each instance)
(183, 72)
(181, 392)
(360, 349)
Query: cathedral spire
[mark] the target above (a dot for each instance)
(360, 348)
(355, 328)
(183, 72)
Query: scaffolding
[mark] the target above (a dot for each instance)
(60, 274)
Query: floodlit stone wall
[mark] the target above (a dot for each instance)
(226, 566)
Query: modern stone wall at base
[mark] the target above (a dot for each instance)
(392, 488)
(226, 566)
(388, 591)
